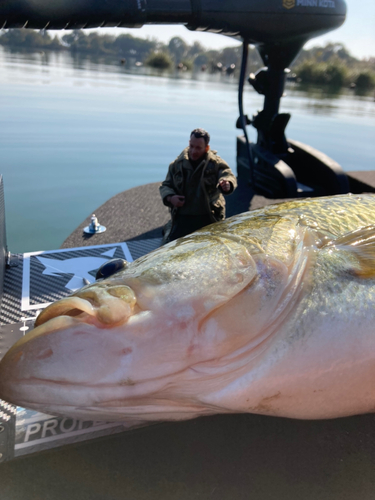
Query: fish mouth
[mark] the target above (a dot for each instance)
(104, 306)
(71, 306)
(100, 306)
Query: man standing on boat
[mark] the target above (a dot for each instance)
(194, 187)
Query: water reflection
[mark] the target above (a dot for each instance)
(107, 63)
(328, 101)
(322, 100)
(328, 92)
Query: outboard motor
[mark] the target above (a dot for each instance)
(274, 166)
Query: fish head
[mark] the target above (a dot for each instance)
(126, 337)
(127, 345)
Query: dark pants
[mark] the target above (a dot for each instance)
(186, 224)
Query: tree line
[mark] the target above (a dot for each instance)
(329, 65)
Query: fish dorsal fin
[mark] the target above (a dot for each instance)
(361, 243)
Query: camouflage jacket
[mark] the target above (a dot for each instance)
(200, 186)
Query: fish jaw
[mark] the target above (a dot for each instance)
(80, 365)
(76, 368)
(93, 309)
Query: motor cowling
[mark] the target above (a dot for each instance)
(259, 21)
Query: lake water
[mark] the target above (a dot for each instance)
(75, 132)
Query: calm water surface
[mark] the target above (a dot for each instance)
(73, 133)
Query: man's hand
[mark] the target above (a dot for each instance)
(225, 185)
(176, 200)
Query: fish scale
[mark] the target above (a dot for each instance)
(335, 215)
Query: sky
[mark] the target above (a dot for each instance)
(357, 33)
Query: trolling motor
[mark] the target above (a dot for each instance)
(275, 166)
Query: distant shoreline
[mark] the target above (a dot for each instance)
(331, 65)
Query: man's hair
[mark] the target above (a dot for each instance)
(201, 133)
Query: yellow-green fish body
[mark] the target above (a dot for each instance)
(270, 312)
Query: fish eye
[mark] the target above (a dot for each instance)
(110, 267)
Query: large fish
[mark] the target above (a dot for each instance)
(268, 312)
